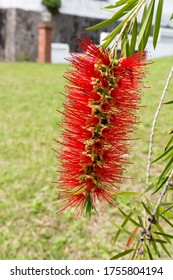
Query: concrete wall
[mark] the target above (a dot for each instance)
(10, 33)
(19, 32)
(7, 34)
(2, 34)
(66, 26)
(86, 8)
(18, 35)
(26, 39)
(19, 27)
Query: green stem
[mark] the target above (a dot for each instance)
(127, 22)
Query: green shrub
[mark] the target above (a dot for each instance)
(52, 5)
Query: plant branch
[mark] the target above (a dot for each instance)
(153, 127)
(128, 20)
(152, 219)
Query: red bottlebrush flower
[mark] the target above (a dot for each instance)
(100, 112)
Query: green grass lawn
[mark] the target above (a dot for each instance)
(29, 227)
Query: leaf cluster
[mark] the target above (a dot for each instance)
(166, 156)
(145, 243)
(52, 5)
(132, 32)
(146, 237)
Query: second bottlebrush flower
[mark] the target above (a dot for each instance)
(100, 113)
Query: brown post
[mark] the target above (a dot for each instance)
(44, 42)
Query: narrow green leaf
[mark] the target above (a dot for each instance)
(166, 212)
(146, 26)
(170, 155)
(109, 38)
(149, 188)
(146, 208)
(122, 229)
(136, 248)
(134, 37)
(166, 169)
(127, 194)
(160, 185)
(167, 204)
(140, 221)
(149, 252)
(122, 254)
(167, 221)
(101, 24)
(171, 17)
(142, 22)
(130, 219)
(164, 154)
(149, 202)
(125, 201)
(162, 233)
(169, 215)
(165, 235)
(147, 31)
(125, 44)
(127, 54)
(119, 14)
(160, 240)
(157, 22)
(122, 226)
(118, 3)
(169, 143)
(153, 241)
(169, 102)
(144, 15)
(164, 248)
(157, 213)
(116, 31)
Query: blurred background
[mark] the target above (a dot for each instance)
(20, 24)
(35, 39)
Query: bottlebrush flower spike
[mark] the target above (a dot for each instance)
(100, 112)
